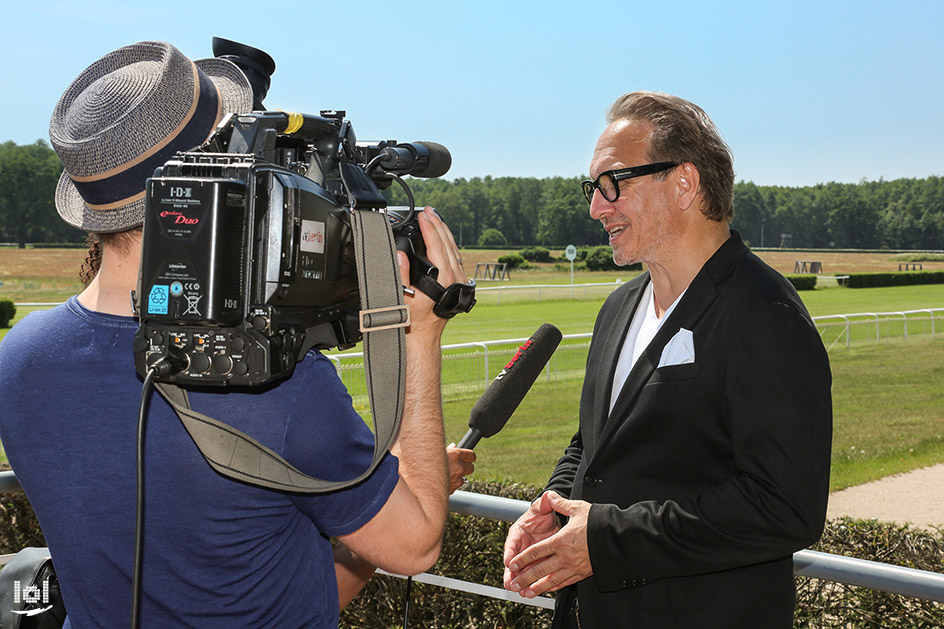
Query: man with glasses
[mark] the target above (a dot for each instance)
(701, 462)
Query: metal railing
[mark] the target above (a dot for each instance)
(468, 368)
(478, 358)
(869, 327)
(808, 563)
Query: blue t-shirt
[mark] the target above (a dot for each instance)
(217, 552)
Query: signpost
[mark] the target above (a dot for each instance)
(571, 253)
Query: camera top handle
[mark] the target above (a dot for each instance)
(255, 133)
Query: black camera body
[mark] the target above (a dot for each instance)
(248, 255)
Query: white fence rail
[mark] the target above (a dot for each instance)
(875, 326)
(468, 368)
(871, 574)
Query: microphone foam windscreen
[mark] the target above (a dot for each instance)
(440, 160)
(503, 396)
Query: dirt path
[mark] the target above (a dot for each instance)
(915, 497)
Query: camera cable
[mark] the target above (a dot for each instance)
(139, 501)
(171, 362)
(373, 165)
(406, 602)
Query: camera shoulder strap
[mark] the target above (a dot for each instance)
(383, 318)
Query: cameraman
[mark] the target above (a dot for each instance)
(216, 552)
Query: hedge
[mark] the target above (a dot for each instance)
(918, 257)
(473, 547)
(513, 261)
(7, 312)
(536, 254)
(472, 551)
(18, 525)
(830, 604)
(802, 282)
(907, 278)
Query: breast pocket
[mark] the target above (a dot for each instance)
(672, 373)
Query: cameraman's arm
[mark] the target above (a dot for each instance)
(353, 572)
(405, 535)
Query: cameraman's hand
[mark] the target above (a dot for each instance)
(461, 462)
(442, 251)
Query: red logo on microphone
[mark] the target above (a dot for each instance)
(517, 355)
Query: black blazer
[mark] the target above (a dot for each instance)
(707, 476)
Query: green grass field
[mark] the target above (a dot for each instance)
(888, 400)
(489, 320)
(888, 407)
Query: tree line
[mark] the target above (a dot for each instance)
(28, 178)
(552, 212)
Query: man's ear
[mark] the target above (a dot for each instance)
(688, 180)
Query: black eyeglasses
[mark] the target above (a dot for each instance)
(608, 183)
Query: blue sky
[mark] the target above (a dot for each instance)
(804, 92)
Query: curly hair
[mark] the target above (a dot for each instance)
(97, 242)
(93, 259)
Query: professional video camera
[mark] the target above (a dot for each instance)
(248, 254)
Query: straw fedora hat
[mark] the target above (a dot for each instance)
(127, 114)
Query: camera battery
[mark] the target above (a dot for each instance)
(193, 251)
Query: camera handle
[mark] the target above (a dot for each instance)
(383, 317)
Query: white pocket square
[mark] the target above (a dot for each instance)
(679, 350)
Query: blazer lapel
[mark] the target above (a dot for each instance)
(696, 300)
(615, 338)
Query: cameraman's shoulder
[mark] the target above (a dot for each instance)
(315, 361)
(315, 372)
(35, 328)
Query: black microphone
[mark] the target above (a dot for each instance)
(509, 387)
(420, 159)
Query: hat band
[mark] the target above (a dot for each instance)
(117, 188)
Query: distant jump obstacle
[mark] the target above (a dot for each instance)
(808, 266)
(491, 271)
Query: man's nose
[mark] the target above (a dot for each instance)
(599, 207)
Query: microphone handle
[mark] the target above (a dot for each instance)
(470, 439)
